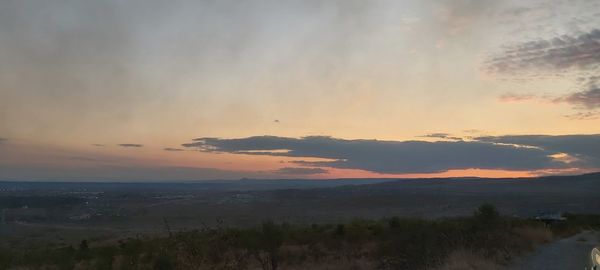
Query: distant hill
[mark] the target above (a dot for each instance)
(251, 201)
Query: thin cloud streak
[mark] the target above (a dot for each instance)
(441, 135)
(300, 171)
(135, 145)
(584, 100)
(584, 116)
(173, 149)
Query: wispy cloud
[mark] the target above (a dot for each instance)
(584, 115)
(549, 57)
(584, 100)
(559, 53)
(441, 135)
(173, 149)
(80, 158)
(587, 99)
(131, 145)
(300, 171)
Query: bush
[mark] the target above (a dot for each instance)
(486, 214)
(480, 241)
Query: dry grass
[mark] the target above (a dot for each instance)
(359, 264)
(535, 235)
(467, 260)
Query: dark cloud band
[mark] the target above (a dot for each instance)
(411, 156)
(586, 148)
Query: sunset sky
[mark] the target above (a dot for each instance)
(194, 90)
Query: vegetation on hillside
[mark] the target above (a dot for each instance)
(482, 240)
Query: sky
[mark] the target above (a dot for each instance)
(196, 90)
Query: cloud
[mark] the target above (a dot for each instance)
(388, 156)
(173, 149)
(131, 145)
(436, 135)
(80, 158)
(98, 144)
(583, 116)
(441, 136)
(559, 53)
(587, 99)
(583, 100)
(300, 171)
(586, 148)
(546, 57)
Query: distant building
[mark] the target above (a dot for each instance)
(550, 218)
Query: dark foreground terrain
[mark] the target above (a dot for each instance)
(57, 217)
(484, 240)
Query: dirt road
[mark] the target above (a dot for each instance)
(567, 254)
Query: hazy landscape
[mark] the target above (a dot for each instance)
(299, 134)
(51, 211)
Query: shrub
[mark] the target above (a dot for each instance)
(481, 241)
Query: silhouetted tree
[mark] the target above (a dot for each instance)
(83, 246)
(340, 230)
(271, 239)
(486, 216)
